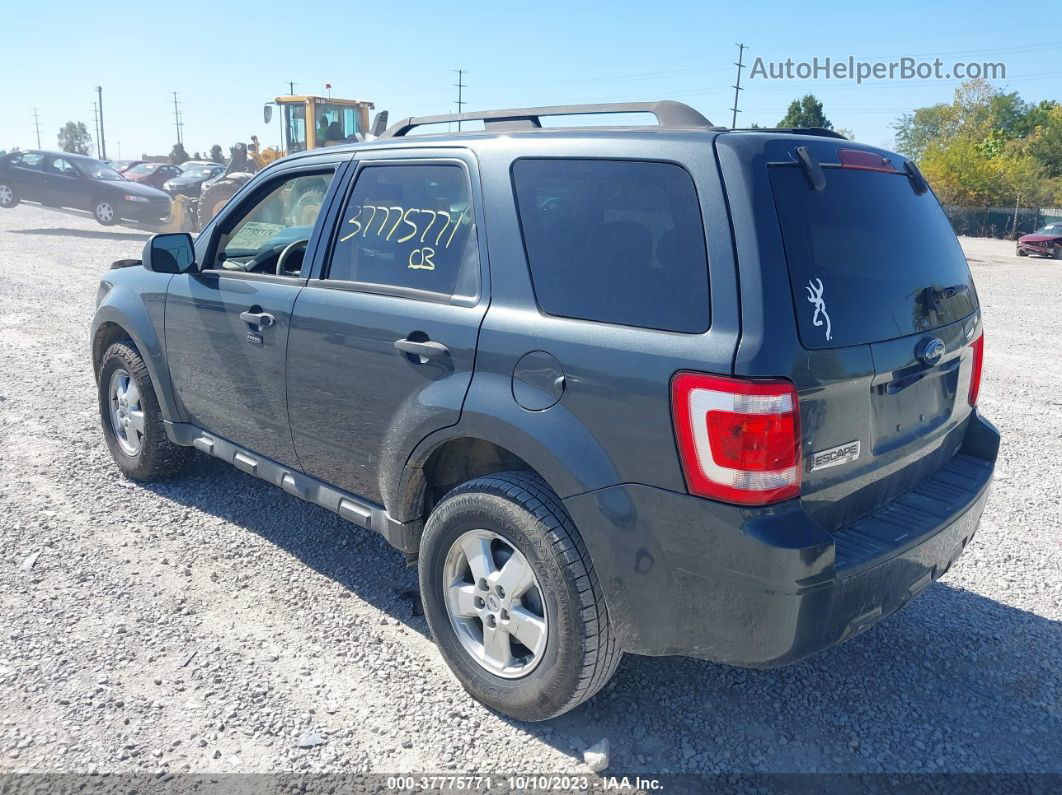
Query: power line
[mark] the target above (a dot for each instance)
(737, 86)
(37, 124)
(460, 88)
(103, 139)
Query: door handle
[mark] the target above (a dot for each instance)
(428, 349)
(262, 319)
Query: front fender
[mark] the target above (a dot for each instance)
(553, 442)
(135, 300)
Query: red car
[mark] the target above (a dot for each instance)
(121, 166)
(1044, 242)
(153, 174)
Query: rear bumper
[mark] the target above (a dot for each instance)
(766, 587)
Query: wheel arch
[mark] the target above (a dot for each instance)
(119, 318)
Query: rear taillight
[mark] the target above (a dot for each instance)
(978, 347)
(739, 441)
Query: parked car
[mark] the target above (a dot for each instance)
(663, 390)
(1044, 242)
(61, 179)
(153, 174)
(191, 179)
(121, 166)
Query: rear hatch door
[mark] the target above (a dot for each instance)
(886, 312)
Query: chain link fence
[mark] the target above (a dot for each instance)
(1000, 222)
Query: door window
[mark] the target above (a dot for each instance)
(64, 167)
(32, 160)
(409, 228)
(279, 222)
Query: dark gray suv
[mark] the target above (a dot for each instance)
(670, 389)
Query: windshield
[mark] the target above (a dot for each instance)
(1050, 229)
(101, 171)
(199, 171)
(869, 259)
(143, 168)
(335, 123)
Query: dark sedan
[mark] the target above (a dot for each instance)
(1045, 242)
(61, 179)
(191, 180)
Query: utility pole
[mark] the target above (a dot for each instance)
(737, 86)
(177, 117)
(37, 124)
(103, 140)
(460, 84)
(96, 126)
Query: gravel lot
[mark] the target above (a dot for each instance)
(217, 624)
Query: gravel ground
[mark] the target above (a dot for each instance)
(217, 624)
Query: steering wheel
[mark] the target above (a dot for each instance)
(287, 252)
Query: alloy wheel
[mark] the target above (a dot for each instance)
(104, 211)
(6, 194)
(127, 412)
(495, 604)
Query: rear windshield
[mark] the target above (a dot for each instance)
(869, 259)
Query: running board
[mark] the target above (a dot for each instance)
(354, 509)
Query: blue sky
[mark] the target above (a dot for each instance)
(226, 61)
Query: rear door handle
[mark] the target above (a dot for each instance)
(262, 319)
(429, 350)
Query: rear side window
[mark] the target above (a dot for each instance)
(409, 227)
(615, 241)
(869, 260)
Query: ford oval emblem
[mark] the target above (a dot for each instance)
(930, 351)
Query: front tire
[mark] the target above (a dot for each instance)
(1022, 253)
(131, 418)
(8, 195)
(512, 598)
(105, 212)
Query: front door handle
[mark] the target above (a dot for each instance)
(428, 349)
(263, 319)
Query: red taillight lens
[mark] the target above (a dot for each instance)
(978, 347)
(739, 441)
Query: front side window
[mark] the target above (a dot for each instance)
(615, 241)
(409, 227)
(280, 220)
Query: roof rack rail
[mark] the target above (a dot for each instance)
(668, 114)
(821, 131)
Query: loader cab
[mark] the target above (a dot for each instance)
(310, 122)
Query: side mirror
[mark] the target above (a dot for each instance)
(267, 113)
(169, 253)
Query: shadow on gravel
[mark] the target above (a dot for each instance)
(953, 682)
(95, 234)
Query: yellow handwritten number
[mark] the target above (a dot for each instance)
(421, 259)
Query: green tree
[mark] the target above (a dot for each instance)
(805, 112)
(74, 137)
(197, 156)
(217, 155)
(1045, 143)
(915, 131)
(178, 155)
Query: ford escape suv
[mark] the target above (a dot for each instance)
(669, 389)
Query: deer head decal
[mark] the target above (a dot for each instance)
(815, 289)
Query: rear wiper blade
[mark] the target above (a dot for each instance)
(918, 182)
(812, 168)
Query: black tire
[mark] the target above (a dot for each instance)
(9, 196)
(105, 211)
(1058, 252)
(157, 458)
(581, 651)
(1022, 253)
(214, 198)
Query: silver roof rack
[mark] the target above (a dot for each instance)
(668, 114)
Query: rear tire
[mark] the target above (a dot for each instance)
(132, 420)
(8, 196)
(1058, 252)
(515, 516)
(105, 212)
